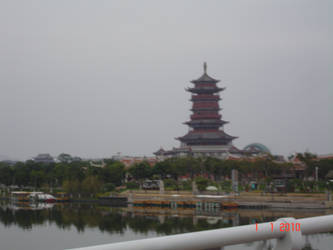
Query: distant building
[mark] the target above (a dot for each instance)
(256, 149)
(299, 167)
(100, 164)
(130, 160)
(9, 162)
(44, 158)
(279, 158)
(325, 157)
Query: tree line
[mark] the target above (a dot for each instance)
(81, 178)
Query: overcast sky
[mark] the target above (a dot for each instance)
(93, 78)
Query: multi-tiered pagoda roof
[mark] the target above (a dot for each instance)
(205, 122)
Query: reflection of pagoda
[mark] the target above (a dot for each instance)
(206, 136)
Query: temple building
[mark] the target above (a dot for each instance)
(206, 136)
(43, 158)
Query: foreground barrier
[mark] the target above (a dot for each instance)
(287, 231)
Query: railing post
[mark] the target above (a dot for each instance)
(293, 237)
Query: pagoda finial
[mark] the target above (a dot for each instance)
(205, 67)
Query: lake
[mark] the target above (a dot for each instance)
(72, 225)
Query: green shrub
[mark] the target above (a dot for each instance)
(170, 184)
(226, 186)
(322, 185)
(202, 183)
(186, 185)
(109, 187)
(132, 185)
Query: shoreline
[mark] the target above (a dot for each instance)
(243, 200)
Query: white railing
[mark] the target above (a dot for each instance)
(287, 231)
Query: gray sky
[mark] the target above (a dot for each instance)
(93, 78)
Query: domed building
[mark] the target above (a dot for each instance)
(256, 149)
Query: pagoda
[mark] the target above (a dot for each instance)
(206, 135)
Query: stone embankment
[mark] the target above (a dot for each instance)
(289, 200)
(244, 200)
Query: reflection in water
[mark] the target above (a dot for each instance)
(112, 220)
(139, 220)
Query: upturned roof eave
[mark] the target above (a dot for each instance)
(205, 78)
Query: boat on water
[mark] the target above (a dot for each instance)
(23, 196)
(42, 197)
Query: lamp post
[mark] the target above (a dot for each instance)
(316, 176)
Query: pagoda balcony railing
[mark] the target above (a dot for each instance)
(204, 90)
(205, 116)
(205, 85)
(205, 109)
(205, 128)
(194, 124)
(205, 98)
(205, 123)
(202, 142)
(291, 239)
(208, 96)
(208, 121)
(205, 105)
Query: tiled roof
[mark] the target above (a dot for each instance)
(207, 135)
(205, 78)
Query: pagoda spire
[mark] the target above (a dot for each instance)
(205, 67)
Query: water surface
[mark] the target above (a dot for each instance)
(63, 226)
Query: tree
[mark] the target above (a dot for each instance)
(140, 171)
(192, 166)
(226, 186)
(72, 187)
(65, 158)
(38, 177)
(171, 184)
(309, 160)
(6, 174)
(21, 172)
(91, 186)
(202, 183)
(74, 171)
(161, 169)
(324, 167)
(113, 173)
